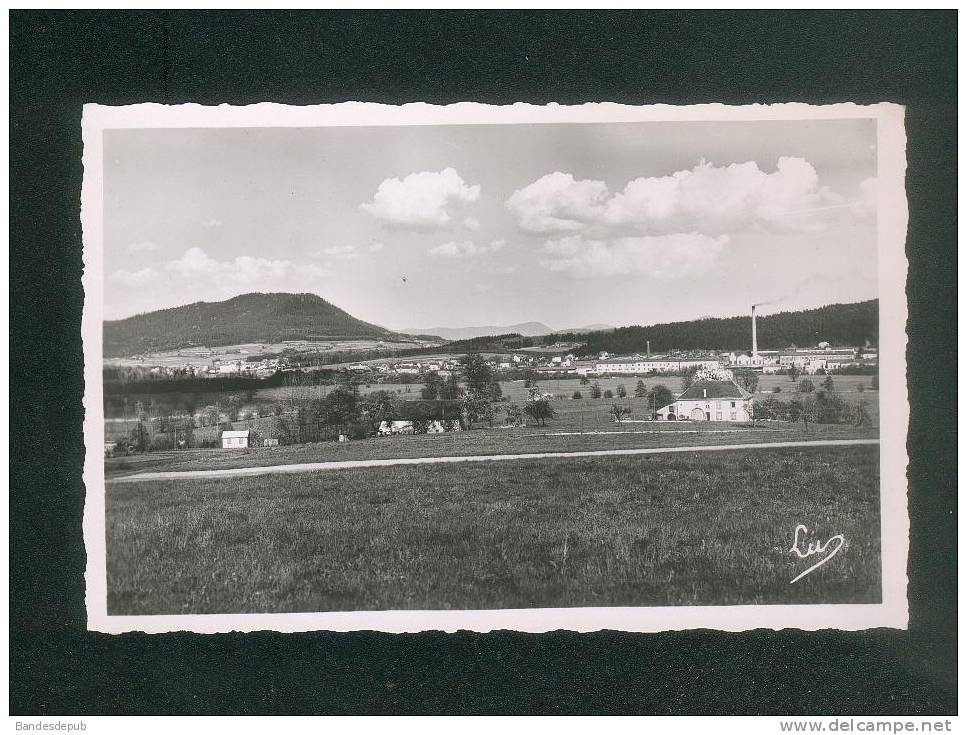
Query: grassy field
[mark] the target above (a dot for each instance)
(561, 435)
(662, 530)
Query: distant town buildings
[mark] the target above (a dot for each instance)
(640, 365)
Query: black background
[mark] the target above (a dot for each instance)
(61, 60)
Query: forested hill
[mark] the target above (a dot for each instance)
(838, 324)
(254, 317)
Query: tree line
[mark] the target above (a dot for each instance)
(839, 324)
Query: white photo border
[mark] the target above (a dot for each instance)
(891, 612)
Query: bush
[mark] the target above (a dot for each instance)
(777, 389)
(595, 390)
(420, 426)
(829, 409)
(618, 412)
(161, 442)
(358, 430)
(622, 391)
(860, 387)
(576, 396)
(608, 394)
(806, 386)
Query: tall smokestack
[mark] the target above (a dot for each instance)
(755, 342)
(648, 347)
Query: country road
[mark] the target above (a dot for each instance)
(351, 464)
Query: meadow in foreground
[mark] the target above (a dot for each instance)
(658, 530)
(528, 440)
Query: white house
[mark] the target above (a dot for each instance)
(389, 428)
(235, 439)
(228, 368)
(710, 399)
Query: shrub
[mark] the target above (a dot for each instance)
(358, 430)
(806, 386)
(576, 395)
(777, 389)
(515, 414)
(595, 390)
(860, 387)
(622, 391)
(160, 442)
(618, 412)
(608, 394)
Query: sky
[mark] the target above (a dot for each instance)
(465, 225)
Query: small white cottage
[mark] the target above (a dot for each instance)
(235, 439)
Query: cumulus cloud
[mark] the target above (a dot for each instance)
(661, 256)
(558, 202)
(472, 223)
(707, 198)
(424, 200)
(213, 222)
(465, 249)
(196, 268)
(340, 252)
(145, 246)
(135, 279)
(376, 247)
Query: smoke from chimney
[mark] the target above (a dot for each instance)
(647, 347)
(755, 342)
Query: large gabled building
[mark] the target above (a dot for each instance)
(710, 399)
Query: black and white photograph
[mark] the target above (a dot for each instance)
(471, 367)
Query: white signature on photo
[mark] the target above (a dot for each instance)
(814, 548)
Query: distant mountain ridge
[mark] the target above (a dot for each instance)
(588, 328)
(252, 317)
(526, 329)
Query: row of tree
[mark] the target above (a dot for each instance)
(819, 407)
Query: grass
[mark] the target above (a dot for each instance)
(661, 530)
(560, 435)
